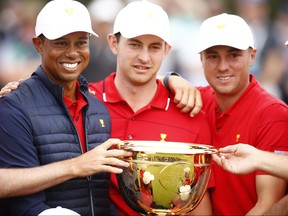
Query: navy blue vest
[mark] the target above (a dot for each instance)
(56, 139)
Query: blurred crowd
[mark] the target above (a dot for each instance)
(267, 18)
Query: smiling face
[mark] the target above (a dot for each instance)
(139, 58)
(64, 59)
(227, 69)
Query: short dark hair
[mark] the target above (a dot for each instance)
(118, 36)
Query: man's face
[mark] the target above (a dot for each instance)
(65, 58)
(227, 69)
(139, 58)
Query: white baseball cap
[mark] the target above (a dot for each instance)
(227, 30)
(142, 18)
(286, 43)
(61, 17)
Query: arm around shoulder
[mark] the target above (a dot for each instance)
(186, 97)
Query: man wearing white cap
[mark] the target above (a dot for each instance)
(243, 158)
(138, 103)
(199, 129)
(146, 98)
(239, 111)
(54, 126)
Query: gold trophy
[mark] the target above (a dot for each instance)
(165, 178)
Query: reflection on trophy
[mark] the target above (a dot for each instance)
(165, 178)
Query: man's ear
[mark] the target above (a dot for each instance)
(113, 43)
(252, 56)
(167, 49)
(38, 44)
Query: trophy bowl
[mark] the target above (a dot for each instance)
(165, 178)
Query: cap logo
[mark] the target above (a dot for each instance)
(149, 14)
(220, 26)
(69, 11)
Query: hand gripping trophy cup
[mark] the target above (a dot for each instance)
(165, 178)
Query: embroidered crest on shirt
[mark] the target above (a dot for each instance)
(163, 137)
(237, 137)
(102, 122)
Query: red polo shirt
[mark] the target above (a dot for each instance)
(160, 119)
(257, 118)
(75, 109)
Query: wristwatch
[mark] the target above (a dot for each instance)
(166, 78)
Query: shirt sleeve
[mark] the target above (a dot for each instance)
(17, 150)
(273, 129)
(16, 144)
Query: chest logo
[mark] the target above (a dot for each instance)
(163, 137)
(102, 122)
(237, 137)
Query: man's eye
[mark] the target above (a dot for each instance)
(211, 56)
(156, 47)
(82, 42)
(134, 45)
(234, 55)
(59, 43)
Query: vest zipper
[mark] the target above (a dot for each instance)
(88, 177)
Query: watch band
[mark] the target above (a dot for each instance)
(166, 78)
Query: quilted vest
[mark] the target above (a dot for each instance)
(56, 139)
